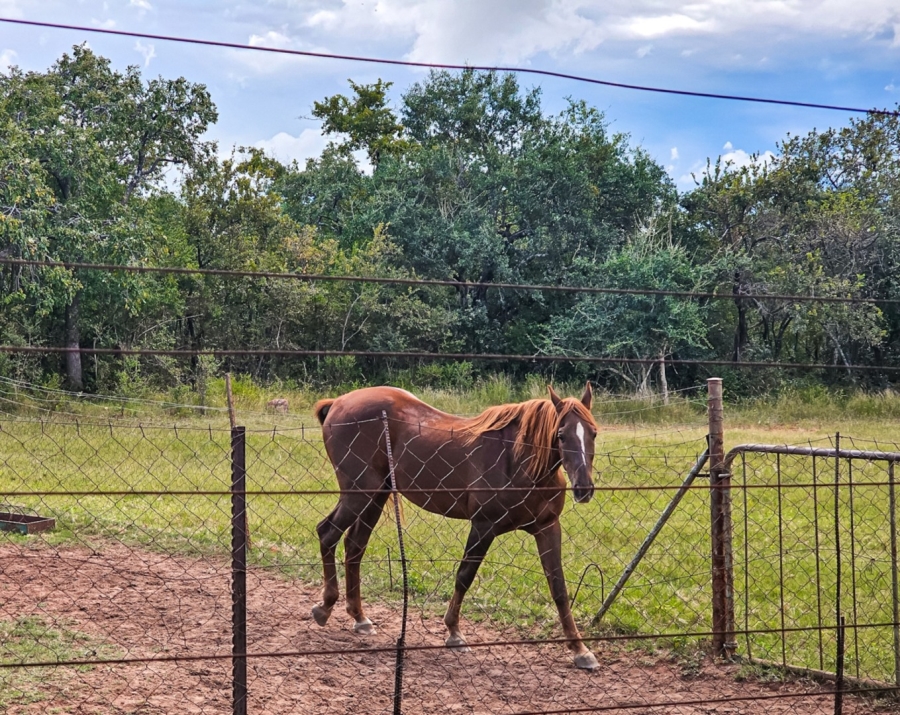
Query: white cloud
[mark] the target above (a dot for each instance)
(661, 25)
(7, 60)
(148, 51)
(733, 158)
(10, 8)
(673, 155)
(738, 158)
(104, 24)
(644, 51)
(890, 88)
(467, 30)
(513, 31)
(142, 5)
(270, 39)
(271, 62)
(309, 145)
(287, 148)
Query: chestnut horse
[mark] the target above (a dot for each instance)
(500, 470)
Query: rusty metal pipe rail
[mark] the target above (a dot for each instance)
(828, 452)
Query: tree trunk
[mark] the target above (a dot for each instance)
(663, 381)
(741, 336)
(74, 375)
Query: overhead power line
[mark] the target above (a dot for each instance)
(448, 66)
(227, 273)
(493, 357)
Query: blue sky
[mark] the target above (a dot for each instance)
(830, 52)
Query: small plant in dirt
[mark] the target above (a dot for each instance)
(760, 673)
(29, 639)
(688, 654)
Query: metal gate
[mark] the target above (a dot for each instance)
(814, 539)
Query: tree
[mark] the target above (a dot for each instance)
(481, 186)
(103, 140)
(818, 220)
(366, 120)
(645, 327)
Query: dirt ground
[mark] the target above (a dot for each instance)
(149, 605)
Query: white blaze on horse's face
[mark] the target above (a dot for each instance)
(579, 430)
(576, 449)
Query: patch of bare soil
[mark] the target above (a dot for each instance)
(150, 605)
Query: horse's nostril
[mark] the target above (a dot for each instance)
(583, 494)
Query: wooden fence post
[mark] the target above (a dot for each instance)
(723, 640)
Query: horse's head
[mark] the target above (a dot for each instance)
(575, 435)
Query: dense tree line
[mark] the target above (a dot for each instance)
(468, 179)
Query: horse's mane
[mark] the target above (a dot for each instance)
(538, 421)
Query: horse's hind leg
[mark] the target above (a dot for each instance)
(355, 544)
(549, 541)
(481, 536)
(330, 531)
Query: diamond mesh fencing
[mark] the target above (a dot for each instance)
(816, 539)
(127, 604)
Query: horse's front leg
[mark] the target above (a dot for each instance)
(549, 542)
(481, 536)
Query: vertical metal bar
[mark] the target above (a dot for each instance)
(401, 641)
(781, 559)
(818, 562)
(837, 531)
(892, 501)
(730, 644)
(839, 669)
(239, 570)
(746, 560)
(853, 568)
(720, 527)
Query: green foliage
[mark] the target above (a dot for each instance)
(366, 121)
(820, 220)
(482, 186)
(98, 142)
(469, 180)
(646, 327)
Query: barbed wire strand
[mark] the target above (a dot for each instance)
(400, 355)
(467, 285)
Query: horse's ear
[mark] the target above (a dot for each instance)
(588, 397)
(556, 399)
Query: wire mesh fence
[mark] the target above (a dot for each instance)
(127, 604)
(816, 538)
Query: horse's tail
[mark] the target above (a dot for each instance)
(321, 410)
(392, 510)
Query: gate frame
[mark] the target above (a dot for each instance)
(892, 459)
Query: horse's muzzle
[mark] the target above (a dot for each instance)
(583, 494)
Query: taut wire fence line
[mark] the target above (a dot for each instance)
(143, 593)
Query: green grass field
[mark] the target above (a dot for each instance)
(644, 451)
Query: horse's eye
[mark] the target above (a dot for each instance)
(561, 436)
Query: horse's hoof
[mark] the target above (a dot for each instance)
(457, 643)
(586, 661)
(364, 627)
(320, 615)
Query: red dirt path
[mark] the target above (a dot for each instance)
(146, 604)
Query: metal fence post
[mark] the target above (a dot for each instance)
(895, 586)
(723, 641)
(239, 570)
